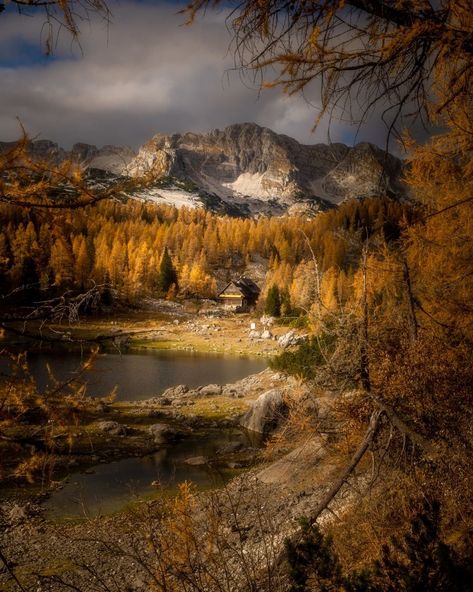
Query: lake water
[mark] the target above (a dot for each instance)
(137, 376)
(112, 486)
(145, 374)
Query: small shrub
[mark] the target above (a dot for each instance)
(304, 361)
(301, 322)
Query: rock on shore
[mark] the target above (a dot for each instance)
(266, 413)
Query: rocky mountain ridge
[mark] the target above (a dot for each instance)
(249, 162)
(112, 159)
(243, 170)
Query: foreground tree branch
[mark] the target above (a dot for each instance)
(408, 58)
(355, 460)
(59, 14)
(29, 182)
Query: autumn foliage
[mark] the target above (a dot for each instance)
(123, 245)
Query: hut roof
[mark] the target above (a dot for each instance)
(246, 286)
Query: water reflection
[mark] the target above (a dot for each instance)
(143, 375)
(112, 486)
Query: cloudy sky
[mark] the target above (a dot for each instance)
(145, 73)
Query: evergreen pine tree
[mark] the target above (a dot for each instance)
(273, 302)
(167, 275)
(286, 307)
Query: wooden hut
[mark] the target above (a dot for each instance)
(240, 294)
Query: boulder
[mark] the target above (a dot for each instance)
(112, 427)
(175, 391)
(266, 334)
(254, 334)
(291, 338)
(210, 390)
(266, 413)
(163, 433)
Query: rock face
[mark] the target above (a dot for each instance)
(296, 465)
(253, 166)
(113, 159)
(267, 411)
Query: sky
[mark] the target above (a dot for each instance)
(146, 72)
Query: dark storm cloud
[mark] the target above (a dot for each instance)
(146, 73)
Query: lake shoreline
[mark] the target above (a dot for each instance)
(179, 327)
(284, 487)
(124, 429)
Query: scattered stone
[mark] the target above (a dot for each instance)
(102, 407)
(112, 427)
(210, 390)
(267, 321)
(291, 338)
(266, 334)
(153, 402)
(17, 514)
(230, 391)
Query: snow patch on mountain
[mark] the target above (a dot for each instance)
(249, 184)
(172, 196)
